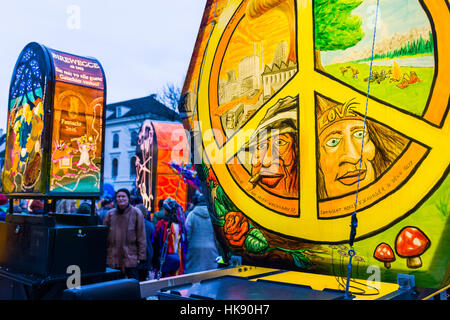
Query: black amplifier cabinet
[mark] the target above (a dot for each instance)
(40, 246)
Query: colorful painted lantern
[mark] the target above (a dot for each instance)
(55, 126)
(161, 144)
(276, 98)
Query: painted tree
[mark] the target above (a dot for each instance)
(335, 27)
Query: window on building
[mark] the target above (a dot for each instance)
(134, 138)
(115, 168)
(115, 140)
(133, 167)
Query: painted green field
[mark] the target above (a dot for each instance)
(412, 98)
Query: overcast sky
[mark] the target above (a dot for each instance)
(142, 45)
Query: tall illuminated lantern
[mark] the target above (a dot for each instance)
(160, 144)
(55, 128)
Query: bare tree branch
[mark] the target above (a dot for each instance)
(170, 95)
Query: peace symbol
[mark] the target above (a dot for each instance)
(407, 183)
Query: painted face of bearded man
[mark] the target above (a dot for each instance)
(273, 148)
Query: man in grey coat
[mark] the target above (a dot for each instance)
(202, 252)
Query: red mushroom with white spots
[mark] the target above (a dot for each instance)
(410, 244)
(384, 253)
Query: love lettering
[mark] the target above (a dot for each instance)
(338, 112)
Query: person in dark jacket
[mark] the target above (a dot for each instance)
(149, 229)
(126, 243)
(158, 215)
(202, 251)
(107, 204)
(174, 262)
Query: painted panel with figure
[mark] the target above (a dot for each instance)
(77, 131)
(24, 167)
(160, 146)
(55, 125)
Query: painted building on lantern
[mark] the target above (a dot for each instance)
(123, 122)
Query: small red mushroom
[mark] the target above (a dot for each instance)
(384, 253)
(410, 244)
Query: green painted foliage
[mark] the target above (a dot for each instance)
(202, 171)
(218, 221)
(300, 260)
(335, 27)
(416, 47)
(256, 242)
(220, 209)
(224, 200)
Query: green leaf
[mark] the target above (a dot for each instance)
(224, 200)
(256, 242)
(220, 210)
(217, 221)
(300, 259)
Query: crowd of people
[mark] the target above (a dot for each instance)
(36, 206)
(138, 238)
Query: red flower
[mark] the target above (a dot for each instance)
(212, 177)
(235, 227)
